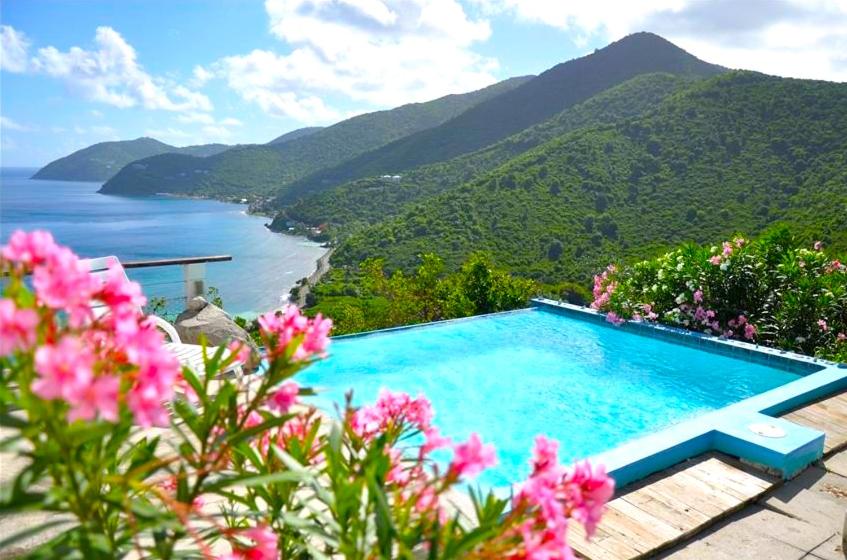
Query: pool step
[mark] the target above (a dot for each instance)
(671, 506)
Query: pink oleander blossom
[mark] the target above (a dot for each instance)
(750, 331)
(433, 440)
(29, 249)
(715, 260)
(727, 248)
(818, 246)
(64, 282)
(98, 398)
(472, 457)
(284, 325)
(698, 296)
(388, 411)
(614, 318)
(285, 397)
(240, 350)
(64, 369)
(841, 337)
(588, 488)
(265, 545)
(315, 338)
(17, 328)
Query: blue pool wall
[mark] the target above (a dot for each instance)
(725, 430)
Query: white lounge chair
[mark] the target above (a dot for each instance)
(190, 355)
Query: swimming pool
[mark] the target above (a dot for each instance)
(511, 376)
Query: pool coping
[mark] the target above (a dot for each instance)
(727, 429)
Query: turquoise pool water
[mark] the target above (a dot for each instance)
(512, 376)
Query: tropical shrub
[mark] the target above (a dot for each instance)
(429, 293)
(151, 460)
(773, 291)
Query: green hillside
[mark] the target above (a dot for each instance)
(535, 101)
(370, 200)
(295, 134)
(259, 170)
(733, 153)
(100, 162)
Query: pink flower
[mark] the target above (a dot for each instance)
(265, 547)
(727, 248)
(823, 326)
(17, 327)
(64, 369)
(389, 411)
(698, 296)
(715, 260)
(700, 314)
(64, 282)
(285, 397)
(29, 249)
(100, 397)
(818, 246)
(146, 404)
(841, 337)
(433, 440)
(472, 457)
(118, 291)
(240, 350)
(427, 500)
(588, 488)
(545, 455)
(284, 326)
(614, 318)
(315, 338)
(749, 331)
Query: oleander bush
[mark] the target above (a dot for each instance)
(146, 459)
(773, 291)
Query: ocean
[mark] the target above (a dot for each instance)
(264, 266)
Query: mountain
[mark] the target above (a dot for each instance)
(295, 134)
(535, 101)
(736, 152)
(259, 170)
(375, 198)
(101, 161)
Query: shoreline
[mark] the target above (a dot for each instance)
(322, 266)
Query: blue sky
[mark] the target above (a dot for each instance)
(75, 72)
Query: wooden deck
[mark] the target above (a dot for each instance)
(828, 415)
(671, 506)
(676, 504)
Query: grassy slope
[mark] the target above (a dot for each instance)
(537, 100)
(369, 200)
(733, 153)
(260, 170)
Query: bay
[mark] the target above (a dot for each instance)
(264, 266)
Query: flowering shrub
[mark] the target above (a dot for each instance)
(158, 461)
(771, 291)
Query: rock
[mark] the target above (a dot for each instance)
(201, 317)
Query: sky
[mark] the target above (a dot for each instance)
(77, 72)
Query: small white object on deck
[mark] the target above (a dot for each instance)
(767, 430)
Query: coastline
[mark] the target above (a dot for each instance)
(322, 266)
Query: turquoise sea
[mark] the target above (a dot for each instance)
(264, 266)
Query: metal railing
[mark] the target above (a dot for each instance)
(194, 270)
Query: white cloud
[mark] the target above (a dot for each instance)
(201, 76)
(170, 135)
(380, 52)
(13, 49)
(108, 74)
(231, 121)
(194, 117)
(10, 124)
(796, 38)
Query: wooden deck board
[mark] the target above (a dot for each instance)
(828, 415)
(669, 507)
(678, 503)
